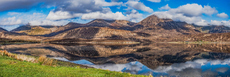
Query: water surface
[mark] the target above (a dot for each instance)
(195, 60)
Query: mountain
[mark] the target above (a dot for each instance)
(110, 23)
(35, 30)
(19, 36)
(151, 29)
(2, 30)
(64, 28)
(114, 24)
(213, 29)
(100, 33)
(154, 24)
(160, 29)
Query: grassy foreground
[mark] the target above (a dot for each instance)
(10, 67)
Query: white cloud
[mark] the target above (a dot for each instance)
(154, 0)
(166, 7)
(138, 5)
(194, 10)
(194, 68)
(104, 3)
(99, 15)
(188, 10)
(180, 17)
(133, 16)
(190, 13)
(215, 22)
(48, 22)
(202, 23)
(61, 15)
(222, 15)
(10, 21)
(209, 10)
(33, 19)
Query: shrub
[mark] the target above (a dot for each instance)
(43, 60)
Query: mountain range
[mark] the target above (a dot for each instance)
(151, 29)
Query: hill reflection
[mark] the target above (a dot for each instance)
(152, 55)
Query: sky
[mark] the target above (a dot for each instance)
(14, 13)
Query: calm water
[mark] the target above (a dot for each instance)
(183, 60)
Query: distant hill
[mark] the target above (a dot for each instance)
(164, 28)
(114, 24)
(213, 29)
(64, 28)
(151, 29)
(35, 30)
(19, 36)
(100, 33)
(2, 30)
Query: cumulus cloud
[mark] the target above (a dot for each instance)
(138, 5)
(76, 6)
(209, 10)
(133, 16)
(33, 19)
(215, 22)
(194, 10)
(99, 15)
(80, 6)
(154, 0)
(10, 21)
(104, 3)
(48, 22)
(194, 68)
(17, 4)
(190, 13)
(166, 7)
(222, 15)
(58, 15)
(180, 17)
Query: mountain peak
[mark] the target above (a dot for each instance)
(2, 30)
(151, 20)
(73, 23)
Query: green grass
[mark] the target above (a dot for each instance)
(10, 67)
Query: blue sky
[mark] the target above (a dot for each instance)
(14, 13)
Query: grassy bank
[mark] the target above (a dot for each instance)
(10, 67)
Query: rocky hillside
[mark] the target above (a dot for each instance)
(2, 30)
(155, 25)
(213, 29)
(151, 29)
(35, 30)
(100, 33)
(114, 24)
(213, 37)
(67, 27)
(18, 36)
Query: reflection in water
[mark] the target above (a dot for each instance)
(165, 59)
(196, 68)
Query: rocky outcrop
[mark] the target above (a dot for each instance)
(17, 36)
(99, 33)
(35, 30)
(154, 25)
(213, 29)
(2, 30)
